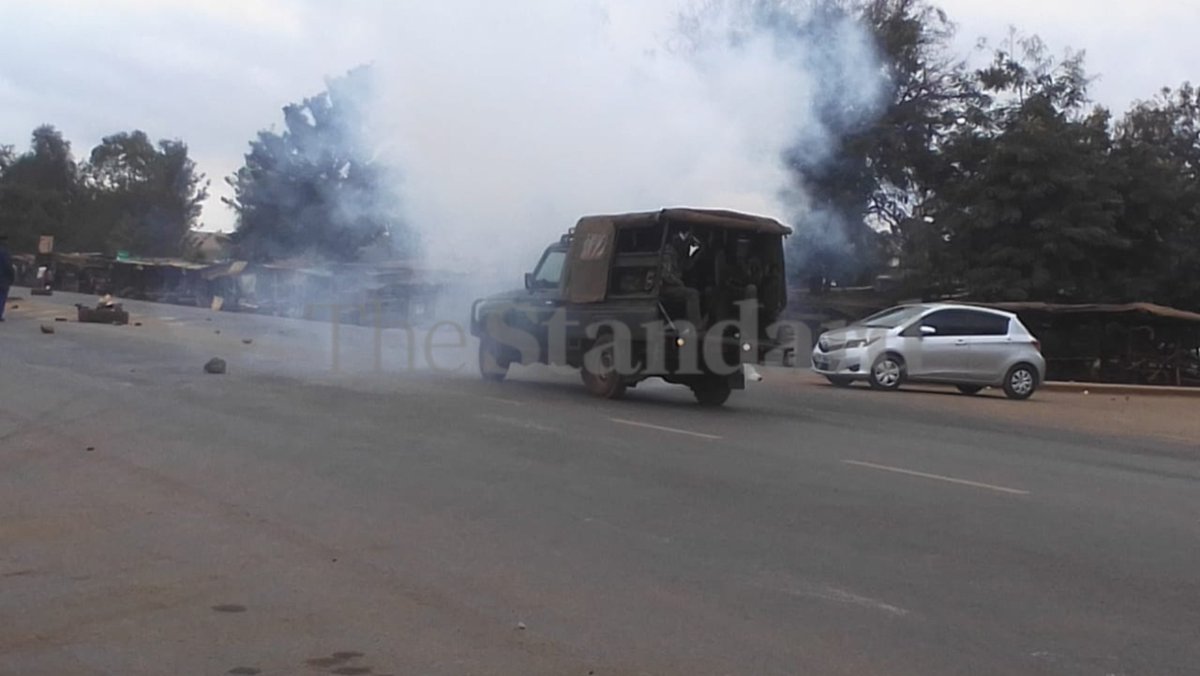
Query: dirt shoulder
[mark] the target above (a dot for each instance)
(1174, 419)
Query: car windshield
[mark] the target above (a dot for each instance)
(891, 318)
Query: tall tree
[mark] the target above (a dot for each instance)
(38, 190)
(1028, 207)
(882, 160)
(142, 197)
(1157, 154)
(318, 188)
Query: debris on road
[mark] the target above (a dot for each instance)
(105, 312)
(247, 341)
(90, 448)
(520, 626)
(47, 328)
(215, 365)
(137, 323)
(218, 332)
(14, 307)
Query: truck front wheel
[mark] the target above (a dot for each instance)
(493, 366)
(605, 382)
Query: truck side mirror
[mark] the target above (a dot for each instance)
(528, 280)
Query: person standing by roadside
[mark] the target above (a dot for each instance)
(7, 274)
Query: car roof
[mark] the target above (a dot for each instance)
(965, 306)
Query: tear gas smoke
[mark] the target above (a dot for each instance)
(508, 121)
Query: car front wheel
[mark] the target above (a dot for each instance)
(887, 373)
(1021, 382)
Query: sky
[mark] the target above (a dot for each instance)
(552, 93)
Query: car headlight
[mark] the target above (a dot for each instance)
(858, 342)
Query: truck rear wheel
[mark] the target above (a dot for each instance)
(712, 391)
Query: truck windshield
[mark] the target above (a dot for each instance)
(550, 270)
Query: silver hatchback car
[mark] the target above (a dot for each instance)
(971, 347)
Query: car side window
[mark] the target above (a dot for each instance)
(948, 322)
(986, 324)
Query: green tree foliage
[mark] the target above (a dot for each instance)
(131, 194)
(140, 196)
(317, 189)
(38, 190)
(1028, 206)
(883, 158)
(1157, 152)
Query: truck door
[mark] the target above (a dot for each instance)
(545, 296)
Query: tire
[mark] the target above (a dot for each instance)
(839, 381)
(969, 389)
(887, 373)
(1021, 382)
(492, 365)
(712, 391)
(608, 384)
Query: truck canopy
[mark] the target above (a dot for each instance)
(593, 244)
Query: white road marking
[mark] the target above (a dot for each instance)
(660, 428)
(515, 422)
(500, 400)
(842, 596)
(937, 477)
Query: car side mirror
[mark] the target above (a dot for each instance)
(528, 280)
(928, 331)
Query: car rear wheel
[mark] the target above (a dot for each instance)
(492, 364)
(713, 391)
(1021, 382)
(605, 382)
(887, 373)
(970, 389)
(839, 381)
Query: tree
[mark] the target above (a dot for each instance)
(38, 190)
(1157, 152)
(1028, 206)
(318, 189)
(882, 159)
(141, 197)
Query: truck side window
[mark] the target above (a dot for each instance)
(550, 270)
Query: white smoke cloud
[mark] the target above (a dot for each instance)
(509, 122)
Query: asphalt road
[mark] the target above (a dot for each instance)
(290, 518)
